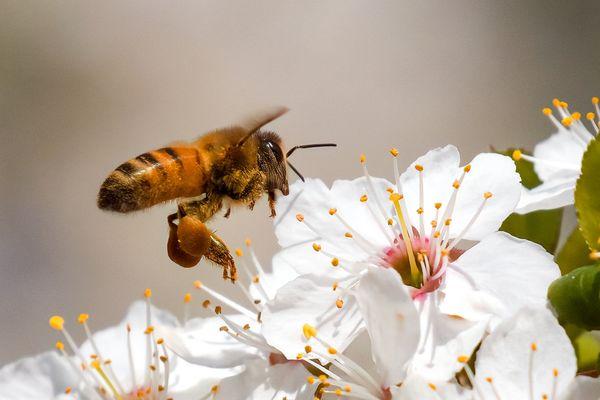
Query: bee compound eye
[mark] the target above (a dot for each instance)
(276, 150)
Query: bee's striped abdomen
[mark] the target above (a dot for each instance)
(154, 177)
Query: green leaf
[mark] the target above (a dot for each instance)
(576, 297)
(587, 195)
(587, 347)
(574, 253)
(542, 227)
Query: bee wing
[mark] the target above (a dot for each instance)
(255, 121)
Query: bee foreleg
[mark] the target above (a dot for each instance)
(272, 203)
(219, 253)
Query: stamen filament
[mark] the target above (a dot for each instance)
(414, 270)
(130, 356)
(98, 368)
(241, 309)
(462, 234)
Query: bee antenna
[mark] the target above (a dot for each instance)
(309, 146)
(296, 171)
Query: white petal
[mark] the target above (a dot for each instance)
(193, 382)
(392, 322)
(202, 342)
(440, 169)
(557, 191)
(310, 299)
(416, 387)
(313, 200)
(44, 376)
(282, 273)
(447, 339)
(261, 381)
(499, 275)
(562, 147)
(583, 388)
(505, 356)
(112, 341)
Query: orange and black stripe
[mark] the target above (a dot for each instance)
(154, 177)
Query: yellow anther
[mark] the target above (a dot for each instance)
(467, 168)
(332, 350)
(206, 303)
(533, 346)
(147, 293)
(308, 349)
(82, 318)
(433, 223)
(255, 279)
(363, 198)
(223, 328)
(390, 222)
(363, 158)
(339, 303)
(95, 364)
(56, 322)
(516, 155)
(316, 247)
(335, 261)
(68, 390)
(310, 380)
(332, 211)
(487, 195)
(436, 234)
(419, 167)
(309, 331)
(149, 330)
(555, 372)
(164, 359)
(246, 327)
(576, 116)
(187, 297)
(564, 104)
(59, 345)
(489, 379)
(197, 284)
(544, 396)
(547, 111)
(128, 328)
(218, 310)
(161, 388)
(299, 356)
(248, 242)
(590, 116)
(348, 235)
(420, 257)
(448, 221)
(595, 100)
(567, 121)
(335, 286)
(456, 184)
(239, 252)
(347, 389)
(160, 341)
(214, 389)
(556, 102)
(322, 378)
(396, 197)
(338, 392)
(300, 217)
(394, 152)
(420, 210)
(445, 252)
(432, 386)
(390, 190)
(437, 206)
(463, 359)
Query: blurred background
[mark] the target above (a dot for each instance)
(85, 86)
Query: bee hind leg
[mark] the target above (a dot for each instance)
(188, 241)
(174, 250)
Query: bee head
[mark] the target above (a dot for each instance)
(272, 161)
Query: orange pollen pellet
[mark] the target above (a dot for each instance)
(335, 261)
(339, 303)
(419, 167)
(300, 217)
(348, 234)
(363, 198)
(316, 247)
(332, 211)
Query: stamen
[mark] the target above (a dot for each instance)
(96, 365)
(554, 383)
(491, 382)
(225, 300)
(518, 155)
(148, 376)
(187, 298)
(465, 361)
(419, 168)
(486, 197)
(531, 355)
(130, 356)
(371, 188)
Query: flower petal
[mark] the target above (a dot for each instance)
(416, 387)
(44, 376)
(392, 322)
(261, 381)
(526, 352)
(202, 342)
(498, 276)
(192, 382)
(557, 191)
(583, 388)
(310, 299)
(563, 148)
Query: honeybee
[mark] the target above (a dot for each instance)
(237, 165)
